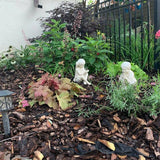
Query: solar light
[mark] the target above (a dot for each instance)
(5, 106)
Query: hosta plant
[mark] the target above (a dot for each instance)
(56, 93)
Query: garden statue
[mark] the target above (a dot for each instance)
(127, 73)
(81, 73)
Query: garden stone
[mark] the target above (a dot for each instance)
(127, 74)
(81, 74)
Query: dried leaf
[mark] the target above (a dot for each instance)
(141, 157)
(110, 145)
(86, 140)
(149, 134)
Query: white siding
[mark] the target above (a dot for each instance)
(19, 20)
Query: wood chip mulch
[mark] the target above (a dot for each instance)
(43, 133)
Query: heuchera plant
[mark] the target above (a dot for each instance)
(56, 93)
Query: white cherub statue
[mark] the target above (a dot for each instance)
(81, 74)
(127, 74)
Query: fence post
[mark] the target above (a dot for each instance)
(156, 28)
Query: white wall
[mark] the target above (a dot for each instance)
(18, 20)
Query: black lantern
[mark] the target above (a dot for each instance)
(5, 106)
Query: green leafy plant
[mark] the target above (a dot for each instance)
(56, 93)
(16, 58)
(55, 49)
(151, 98)
(95, 51)
(128, 43)
(115, 69)
(125, 98)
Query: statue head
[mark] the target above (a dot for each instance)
(80, 63)
(126, 66)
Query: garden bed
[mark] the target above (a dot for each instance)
(77, 133)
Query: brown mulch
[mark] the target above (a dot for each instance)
(73, 134)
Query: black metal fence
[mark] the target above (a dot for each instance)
(130, 26)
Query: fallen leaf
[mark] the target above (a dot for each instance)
(143, 152)
(110, 145)
(141, 157)
(149, 134)
(86, 140)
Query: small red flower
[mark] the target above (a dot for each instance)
(72, 49)
(157, 35)
(98, 54)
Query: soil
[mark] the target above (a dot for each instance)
(73, 134)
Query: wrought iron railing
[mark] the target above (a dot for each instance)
(130, 26)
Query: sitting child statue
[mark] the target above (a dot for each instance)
(127, 74)
(81, 74)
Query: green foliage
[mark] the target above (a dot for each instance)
(56, 93)
(54, 49)
(95, 51)
(16, 58)
(125, 99)
(130, 47)
(152, 99)
(115, 69)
